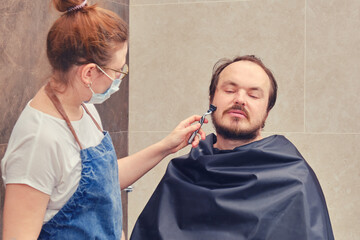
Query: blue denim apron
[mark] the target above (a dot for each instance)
(94, 210)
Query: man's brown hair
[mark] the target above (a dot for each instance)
(223, 63)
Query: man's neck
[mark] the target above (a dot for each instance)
(229, 144)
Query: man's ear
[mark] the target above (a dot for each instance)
(267, 114)
(87, 73)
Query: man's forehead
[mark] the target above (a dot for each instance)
(243, 67)
(243, 70)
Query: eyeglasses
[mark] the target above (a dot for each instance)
(120, 74)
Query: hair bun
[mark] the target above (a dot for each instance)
(65, 5)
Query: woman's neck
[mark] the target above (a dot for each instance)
(70, 100)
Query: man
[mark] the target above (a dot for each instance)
(238, 185)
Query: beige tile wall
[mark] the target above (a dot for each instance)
(312, 46)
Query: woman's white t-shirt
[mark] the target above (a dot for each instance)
(43, 153)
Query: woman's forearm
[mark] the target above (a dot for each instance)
(133, 167)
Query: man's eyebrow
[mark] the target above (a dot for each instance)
(256, 89)
(232, 83)
(229, 82)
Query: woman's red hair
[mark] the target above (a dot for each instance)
(88, 35)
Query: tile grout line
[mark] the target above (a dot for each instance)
(305, 50)
(183, 3)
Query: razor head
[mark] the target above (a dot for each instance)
(212, 108)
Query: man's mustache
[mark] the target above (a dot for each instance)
(237, 107)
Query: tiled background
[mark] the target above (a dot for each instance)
(24, 68)
(312, 46)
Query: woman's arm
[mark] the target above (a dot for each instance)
(24, 211)
(133, 167)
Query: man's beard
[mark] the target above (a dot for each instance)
(237, 133)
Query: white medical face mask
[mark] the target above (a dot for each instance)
(98, 98)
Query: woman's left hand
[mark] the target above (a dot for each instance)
(179, 137)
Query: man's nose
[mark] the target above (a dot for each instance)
(240, 98)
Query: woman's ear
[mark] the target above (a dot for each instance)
(88, 73)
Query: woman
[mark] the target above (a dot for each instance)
(61, 173)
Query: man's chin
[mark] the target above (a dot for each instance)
(237, 134)
(234, 128)
(237, 126)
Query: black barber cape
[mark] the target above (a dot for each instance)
(262, 190)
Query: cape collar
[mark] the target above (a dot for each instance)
(207, 145)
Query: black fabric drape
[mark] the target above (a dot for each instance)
(262, 190)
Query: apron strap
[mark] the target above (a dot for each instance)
(55, 100)
(96, 123)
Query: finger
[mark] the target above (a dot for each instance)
(202, 134)
(195, 143)
(192, 128)
(188, 121)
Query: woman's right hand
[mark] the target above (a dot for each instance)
(132, 167)
(179, 137)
